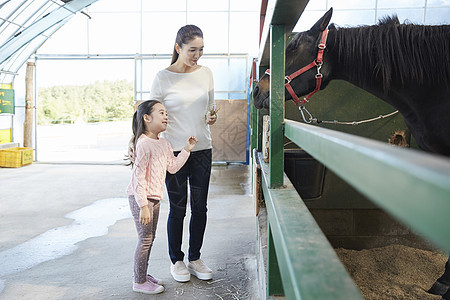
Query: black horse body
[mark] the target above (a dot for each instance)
(406, 65)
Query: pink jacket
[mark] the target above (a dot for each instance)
(153, 158)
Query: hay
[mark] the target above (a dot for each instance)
(394, 272)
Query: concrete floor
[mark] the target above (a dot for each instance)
(66, 233)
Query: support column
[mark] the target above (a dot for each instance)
(29, 103)
(277, 61)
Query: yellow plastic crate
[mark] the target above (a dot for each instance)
(16, 157)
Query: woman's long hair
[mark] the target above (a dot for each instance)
(138, 126)
(184, 35)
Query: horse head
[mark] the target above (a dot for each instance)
(301, 51)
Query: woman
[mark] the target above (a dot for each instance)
(187, 91)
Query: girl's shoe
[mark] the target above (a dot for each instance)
(148, 287)
(154, 280)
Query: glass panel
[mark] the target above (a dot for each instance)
(238, 74)
(149, 69)
(215, 30)
(103, 141)
(159, 31)
(414, 15)
(237, 96)
(227, 76)
(351, 4)
(17, 10)
(244, 32)
(20, 57)
(142, 96)
(247, 5)
(33, 11)
(9, 7)
(316, 5)
(118, 6)
(69, 71)
(438, 16)
(49, 7)
(172, 5)
(208, 5)
(308, 19)
(114, 33)
(219, 68)
(353, 18)
(434, 3)
(400, 3)
(220, 96)
(7, 31)
(69, 39)
(342, 18)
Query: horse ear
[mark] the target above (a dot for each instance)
(323, 22)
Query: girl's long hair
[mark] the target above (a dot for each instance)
(184, 35)
(138, 126)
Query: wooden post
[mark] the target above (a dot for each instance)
(28, 124)
(137, 103)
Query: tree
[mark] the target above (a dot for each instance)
(97, 102)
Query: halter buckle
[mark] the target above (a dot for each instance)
(319, 66)
(287, 80)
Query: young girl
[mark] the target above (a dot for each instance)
(151, 157)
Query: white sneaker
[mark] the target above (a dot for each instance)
(200, 270)
(179, 272)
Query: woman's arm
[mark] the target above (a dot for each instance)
(156, 91)
(211, 118)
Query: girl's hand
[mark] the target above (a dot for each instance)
(190, 143)
(144, 215)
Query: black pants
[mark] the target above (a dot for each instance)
(197, 172)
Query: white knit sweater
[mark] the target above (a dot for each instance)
(187, 98)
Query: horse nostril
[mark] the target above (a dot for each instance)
(256, 91)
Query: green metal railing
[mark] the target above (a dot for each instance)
(301, 262)
(413, 186)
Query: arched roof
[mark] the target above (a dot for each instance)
(26, 24)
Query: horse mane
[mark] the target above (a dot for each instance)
(389, 52)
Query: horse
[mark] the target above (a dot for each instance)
(405, 65)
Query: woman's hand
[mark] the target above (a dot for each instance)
(190, 143)
(211, 119)
(131, 155)
(144, 215)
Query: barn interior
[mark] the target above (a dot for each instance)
(66, 228)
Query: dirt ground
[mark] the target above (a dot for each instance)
(394, 272)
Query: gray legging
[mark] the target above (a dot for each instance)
(146, 236)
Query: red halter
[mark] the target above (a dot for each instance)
(318, 62)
